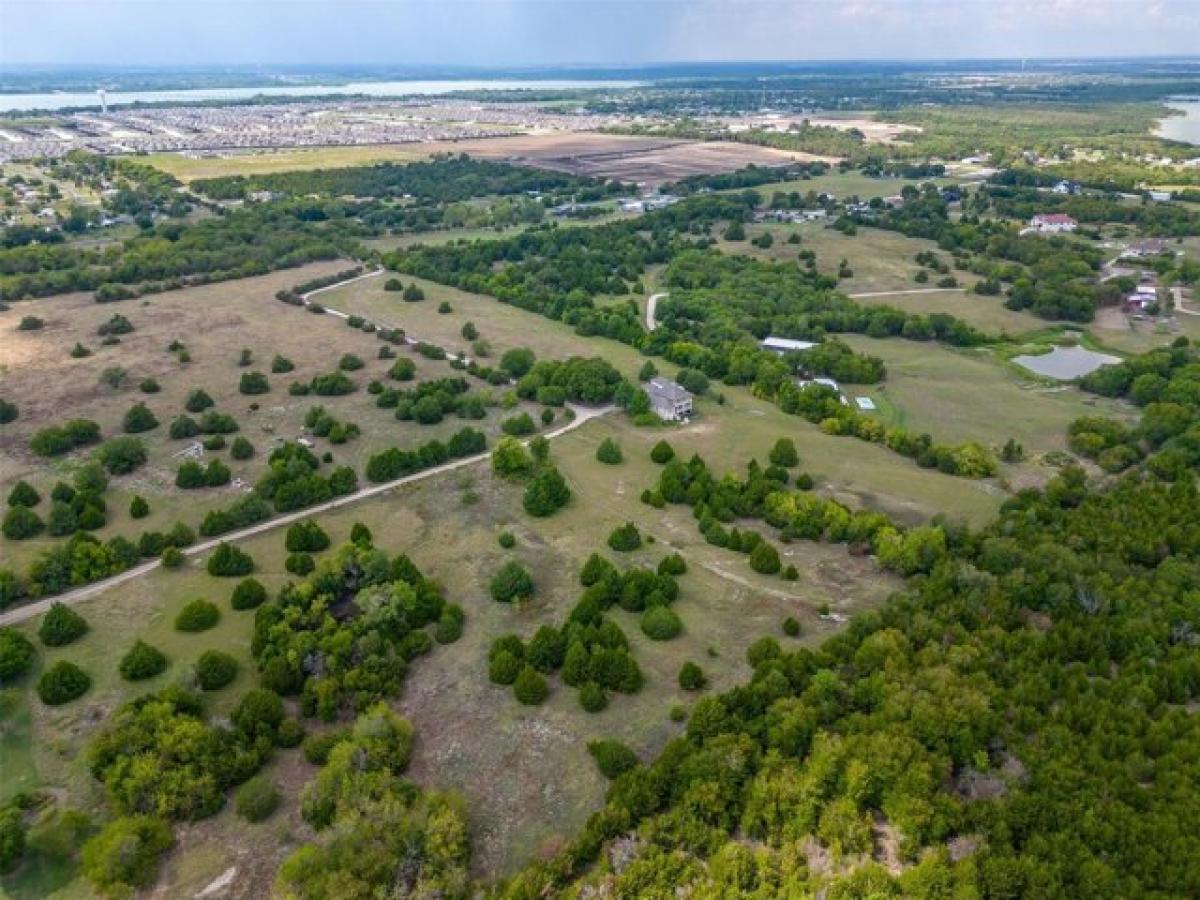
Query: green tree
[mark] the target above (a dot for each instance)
(609, 452)
(61, 626)
(62, 682)
(141, 661)
(125, 855)
(512, 582)
(530, 688)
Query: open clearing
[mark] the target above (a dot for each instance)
(530, 779)
(958, 395)
(625, 157)
(215, 322)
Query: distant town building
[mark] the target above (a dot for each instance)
(1067, 187)
(669, 400)
(1147, 248)
(1159, 196)
(1053, 223)
(864, 403)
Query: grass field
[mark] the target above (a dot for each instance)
(989, 314)
(880, 260)
(973, 396)
(519, 800)
(215, 322)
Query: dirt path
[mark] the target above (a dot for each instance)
(902, 293)
(70, 598)
(330, 287)
(651, 305)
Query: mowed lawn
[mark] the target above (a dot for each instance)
(844, 185)
(214, 322)
(960, 395)
(529, 779)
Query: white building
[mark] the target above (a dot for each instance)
(1053, 223)
(784, 345)
(669, 400)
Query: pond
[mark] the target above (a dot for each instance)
(1066, 363)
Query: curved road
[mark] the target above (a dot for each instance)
(70, 598)
(651, 305)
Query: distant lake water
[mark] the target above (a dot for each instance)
(383, 89)
(1184, 128)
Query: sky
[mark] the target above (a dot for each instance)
(546, 32)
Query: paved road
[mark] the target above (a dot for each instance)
(70, 598)
(651, 305)
(901, 293)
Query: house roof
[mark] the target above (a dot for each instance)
(1054, 219)
(666, 389)
(780, 343)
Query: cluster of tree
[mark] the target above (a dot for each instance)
(987, 708)
(342, 639)
(250, 241)
(393, 463)
(430, 401)
(376, 833)
(1165, 384)
(590, 651)
(546, 491)
(750, 176)
(322, 424)
(444, 179)
(1053, 277)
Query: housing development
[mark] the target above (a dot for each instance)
(749, 479)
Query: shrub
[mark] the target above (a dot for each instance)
(122, 455)
(306, 536)
(546, 494)
(290, 733)
(507, 540)
(253, 383)
(281, 364)
(8, 411)
(138, 507)
(260, 712)
(503, 668)
(30, 323)
(229, 561)
(256, 799)
(691, 677)
(173, 558)
(299, 564)
(393, 284)
(16, 654)
(612, 757)
(625, 538)
(141, 661)
(449, 626)
(249, 594)
(764, 558)
(62, 682)
(241, 448)
(215, 669)
(403, 369)
(512, 582)
(350, 363)
(791, 627)
(20, 523)
(197, 615)
(518, 426)
(661, 623)
(183, 427)
(784, 453)
(413, 293)
(609, 452)
(125, 855)
(592, 697)
(61, 626)
(530, 688)
(662, 453)
(139, 418)
(23, 494)
(672, 565)
(791, 573)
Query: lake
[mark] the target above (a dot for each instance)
(1066, 363)
(1184, 128)
(381, 89)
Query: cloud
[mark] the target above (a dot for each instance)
(533, 32)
